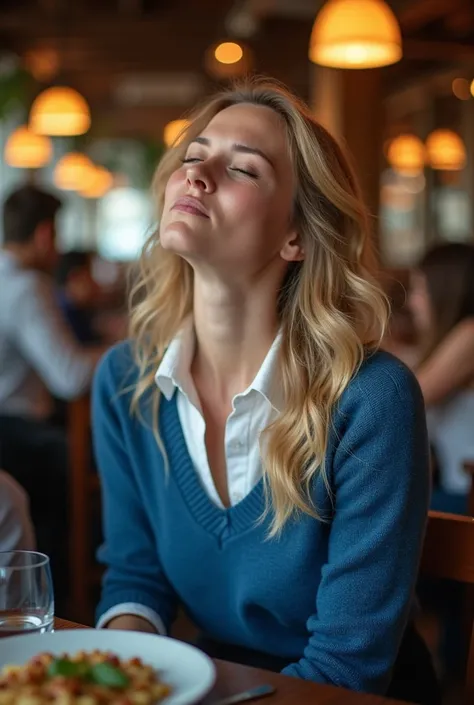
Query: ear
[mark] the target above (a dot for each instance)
(292, 250)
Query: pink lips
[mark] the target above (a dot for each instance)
(188, 204)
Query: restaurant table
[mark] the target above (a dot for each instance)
(233, 678)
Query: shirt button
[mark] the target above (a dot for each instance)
(236, 444)
(237, 497)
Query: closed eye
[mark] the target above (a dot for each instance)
(194, 160)
(244, 171)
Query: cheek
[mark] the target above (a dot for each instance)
(251, 206)
(174, 184)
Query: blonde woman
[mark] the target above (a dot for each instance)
(261, 464)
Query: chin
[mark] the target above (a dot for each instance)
(182, 239)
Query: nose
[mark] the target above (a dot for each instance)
(199, 178)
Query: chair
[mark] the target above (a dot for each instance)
(448, 553)
(84, 490)
(469, 469)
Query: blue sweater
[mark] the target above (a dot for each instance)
(333, 597)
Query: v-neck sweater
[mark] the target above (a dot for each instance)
(330, 595)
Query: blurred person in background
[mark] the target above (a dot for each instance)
(441, 300)
(16, 529)
(78, 294)
(39, 357)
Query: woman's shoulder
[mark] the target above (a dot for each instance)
(382, 386)
(117, 369)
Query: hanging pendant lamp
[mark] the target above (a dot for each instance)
(355, 34)
(26, 150)
(100, 181)
(73, 172)
(446, 150)
(174, 132)
(60, 110)
(406, 154)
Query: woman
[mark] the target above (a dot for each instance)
(258, 314)
(442, 303)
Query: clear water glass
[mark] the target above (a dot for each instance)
(26, 593)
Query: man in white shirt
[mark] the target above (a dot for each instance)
(39, 358)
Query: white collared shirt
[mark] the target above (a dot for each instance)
(252, 411)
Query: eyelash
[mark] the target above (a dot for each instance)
(193, 160)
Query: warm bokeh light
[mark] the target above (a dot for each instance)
(406, 154)
(460, 88)
(445, 150)
(100, 180)
(26, 150)
(43, 63)
(228, 53)
(60, 111)
(355, 34)
(73, 172)
(472, 88)
(174, 132)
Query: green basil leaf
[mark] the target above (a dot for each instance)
(64, 667)
(108, 675)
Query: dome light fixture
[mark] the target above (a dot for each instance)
(26, 150)
(355, 34)
(60, 111)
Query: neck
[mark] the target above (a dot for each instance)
(235, 328)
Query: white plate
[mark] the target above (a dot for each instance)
(188, 671)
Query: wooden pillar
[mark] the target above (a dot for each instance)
(467, 133)
(349, 103)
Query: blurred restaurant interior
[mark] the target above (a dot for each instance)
(92, 93)
(141, 64)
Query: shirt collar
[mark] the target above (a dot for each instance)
(174, 371)
(267, 380)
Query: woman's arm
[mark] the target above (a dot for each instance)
(451, 365)
(380, 479)
(132, 623)
(135, 584)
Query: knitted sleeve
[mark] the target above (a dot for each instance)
(380, 477)
(134, 573)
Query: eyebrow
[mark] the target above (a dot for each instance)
(237, 147)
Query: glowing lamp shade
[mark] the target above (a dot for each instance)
(26, 150)
(355, 34)
(60, 111)
(228, 53)
(228, 60)
(174, 132)
(73, 172)
(446, 151)
(100, 181)
(406, 154)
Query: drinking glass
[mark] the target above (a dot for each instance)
(26, 593)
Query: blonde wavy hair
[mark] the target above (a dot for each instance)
(330, 306)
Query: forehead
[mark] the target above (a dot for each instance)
(252, 125)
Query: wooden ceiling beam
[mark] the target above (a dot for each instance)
(440, 51)
(418, 13)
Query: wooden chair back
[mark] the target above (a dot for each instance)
(84, 487)
(448, 553)
(469, 469)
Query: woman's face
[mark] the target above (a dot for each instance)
(419, 302)
(228, 208)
